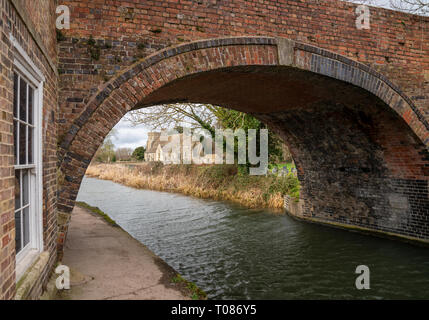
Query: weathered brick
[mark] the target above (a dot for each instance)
(33, 24)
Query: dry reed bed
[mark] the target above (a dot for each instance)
(209, 182)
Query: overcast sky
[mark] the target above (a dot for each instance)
(378, 3)
(128, 136)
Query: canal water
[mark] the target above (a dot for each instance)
(232, 252)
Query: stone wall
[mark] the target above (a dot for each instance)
(32, 24)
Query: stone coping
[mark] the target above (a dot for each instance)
(31, 276)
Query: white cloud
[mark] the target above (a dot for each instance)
(128, 136)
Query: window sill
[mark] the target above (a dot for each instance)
(31, 275)
(23, 265)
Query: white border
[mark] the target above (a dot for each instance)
(25, 66)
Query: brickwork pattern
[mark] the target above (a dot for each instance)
(105, 39)
(348, 154)
(119, 56)
(12, 22)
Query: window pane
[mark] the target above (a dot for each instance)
(18, 231)
(15, 95)
(30, 104)
(23, 100)
(15, 141)
(17, 190)
(26, 226)
(22, 143)
(25, 188)
(30, 145)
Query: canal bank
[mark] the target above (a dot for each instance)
(107, 263)
(233, 252)
(222, 183)
(215, 182)
(295, 209)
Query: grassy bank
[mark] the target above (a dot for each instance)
(194, 292)
(98, 211)
(217, 182)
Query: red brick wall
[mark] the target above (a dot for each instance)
(112, 60)
(39, 14)
(361, 157)
(397, 44)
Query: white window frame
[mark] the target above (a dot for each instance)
(25, 67)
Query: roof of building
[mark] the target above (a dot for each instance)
(155, 141)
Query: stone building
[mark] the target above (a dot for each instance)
(164, 151)
(153, 141)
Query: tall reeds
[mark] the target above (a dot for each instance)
(217, 182)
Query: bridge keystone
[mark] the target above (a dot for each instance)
(286, 51)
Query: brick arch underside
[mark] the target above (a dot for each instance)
(360, 146)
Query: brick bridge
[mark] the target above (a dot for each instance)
(353, 105)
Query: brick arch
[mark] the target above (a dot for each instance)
(163, 72)
(271, 51)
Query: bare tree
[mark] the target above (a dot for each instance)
(106, 152)
(411, 6)
(124, 154)
(420, 7)
(194, 116)
(203, 116)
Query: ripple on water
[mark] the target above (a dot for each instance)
(235, 253)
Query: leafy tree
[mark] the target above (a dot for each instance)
(204, 116)
(238, 120)
(138, 153)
